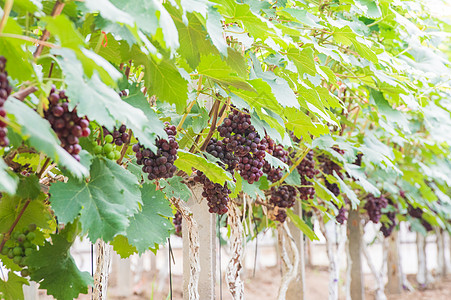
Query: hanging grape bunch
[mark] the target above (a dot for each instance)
(387, 228)
(120, 136)
(219, 150)
(281, 215)
(374, 206)
(5, 91)
(307, 171)
(241, 138)
(329, 167)
(177, 221)
(418, 214)
(341, 216)
(216, 194)
(19, 246)
(283, 196)
(160, 164)
(68, 126)
(274, 174)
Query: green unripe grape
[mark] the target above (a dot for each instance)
(24, 273)
(22, 262)
(21, 238)
(27, 244)
(28, 251)
(110, 155)
(10, 254)
(98, 149)
(31, 236)
(17, 251)
(32, 227)
(25, 230)
(109, 138)
(17, 259)
(1, 237)
(5, 250)
(107, 148)
(16, 235)
(117, 154)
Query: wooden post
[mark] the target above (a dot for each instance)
(207, 247)
(441, 259)
(103, 262)
(422, 276)
(296, 289)
(394, 284)
(355, 274)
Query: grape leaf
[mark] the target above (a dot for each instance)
(99, 102)
(275, 162)
(55, 270)
(29, 187)
(215, 30)
(105, 202)
(186, 161)
(10, 206)
(41, 136)
(299, 223)
(149, 226)
(174, 187)
(13, 288)
(8, 181)
(122, 246)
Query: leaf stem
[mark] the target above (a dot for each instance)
(6, 12)
(8, 234)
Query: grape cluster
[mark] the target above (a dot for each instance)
(418, 214)
(177, 221)
(341, 216)
(281, 215)
(241, 138)
(216, 194)
(107, 149)
(358, 160)
(329, 167)
(387, 228)
(20, 246)
(283, 196)
(374, 206)
(68, 126)
(160, 164)
(218, 149)
(275, 174)
(307, 170)
(5, 91)
(120, 136)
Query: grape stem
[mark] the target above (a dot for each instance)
(6, 12)
(22, 94)
(44, 166)
(57, 9)
(188, 109)
(8, 234)
(214, 118)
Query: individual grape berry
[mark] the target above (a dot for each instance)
(374, 206)
(68, 126)
(5, 91)
(160, 164)
(216, 194)
(283, 196)
(24, 273)
(177, 221)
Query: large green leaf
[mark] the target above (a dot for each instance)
(40, 135)
(105, 202)
(55, 270)
(8, 181)
(13, 287)
(299, 223)
(174, 187)
(150, 226)
(186, 161)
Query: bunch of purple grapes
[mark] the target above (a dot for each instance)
(177, 221)
(5, 91)
(387, 228)
(275, 174)
(120, 136)
(307, 170)
(217, 195)
(341, 216)
(68, 126)
(374, 206)
(283, 196)
(241, 138)
(329, 167)
(281, 215)
(418, 214)
(219, 150)
(160, 164)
